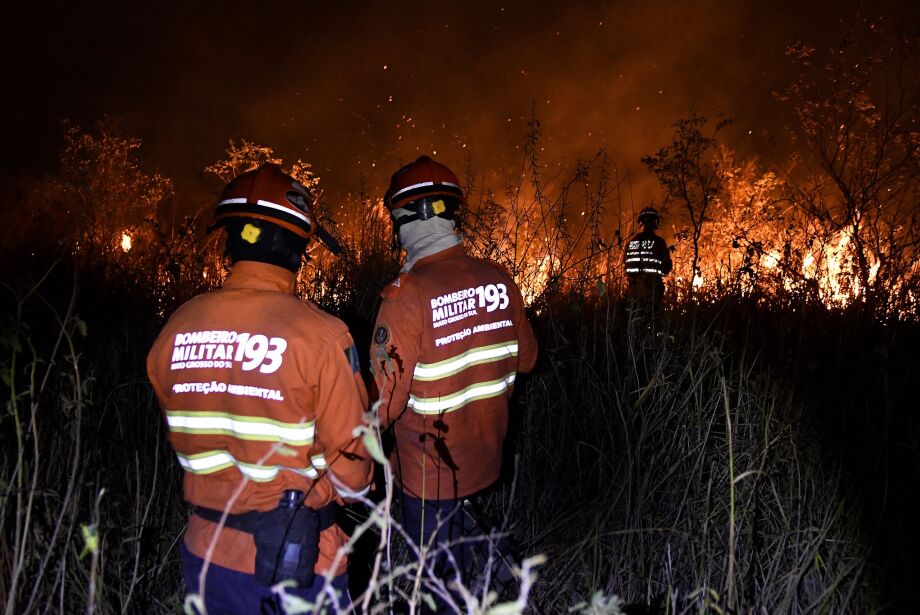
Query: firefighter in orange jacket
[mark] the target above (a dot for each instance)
(449, 339)
(261, 392)
(647, 261)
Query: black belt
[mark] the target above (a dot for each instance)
(249, 521)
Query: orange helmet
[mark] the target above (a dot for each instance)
(421, 179)
(270, 194)
(427, 189)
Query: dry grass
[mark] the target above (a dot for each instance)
(677, 470)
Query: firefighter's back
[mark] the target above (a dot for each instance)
(468, 359)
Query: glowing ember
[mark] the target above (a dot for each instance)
(126, 242)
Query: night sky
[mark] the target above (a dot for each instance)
(359, 88)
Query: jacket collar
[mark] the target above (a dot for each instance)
(260, 276)
(451, 252)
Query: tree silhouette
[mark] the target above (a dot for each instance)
(856, 111)
(690, 171)
(102, 187)
(246, 156)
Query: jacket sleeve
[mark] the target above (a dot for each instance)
(340, 404)
(394, 353)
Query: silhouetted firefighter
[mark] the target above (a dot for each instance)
(647, 260)
(450, 337)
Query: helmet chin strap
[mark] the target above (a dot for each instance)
(421, 210)
(425, 209)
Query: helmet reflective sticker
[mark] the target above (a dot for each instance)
(250, 233)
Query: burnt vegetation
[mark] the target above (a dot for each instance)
(754, 450)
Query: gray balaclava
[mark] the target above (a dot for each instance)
(423, 238)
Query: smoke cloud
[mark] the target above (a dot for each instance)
(358, 89)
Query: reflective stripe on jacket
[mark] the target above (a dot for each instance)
(450, 337)
(257, 385)
(646, 252)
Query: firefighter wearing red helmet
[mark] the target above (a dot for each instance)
(261, 393)
(647, 260)
(450, 337)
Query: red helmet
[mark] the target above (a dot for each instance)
(267, 194)
(421, 179)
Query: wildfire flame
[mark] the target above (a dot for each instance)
(754, 244)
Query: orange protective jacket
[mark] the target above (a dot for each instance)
(450, 337)
(256, 384)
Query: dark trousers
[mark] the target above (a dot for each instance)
(456, 543)
(646, 292)
(424, 518)
(228, 592)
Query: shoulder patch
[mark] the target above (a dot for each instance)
(351, 353)
(382, 335)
